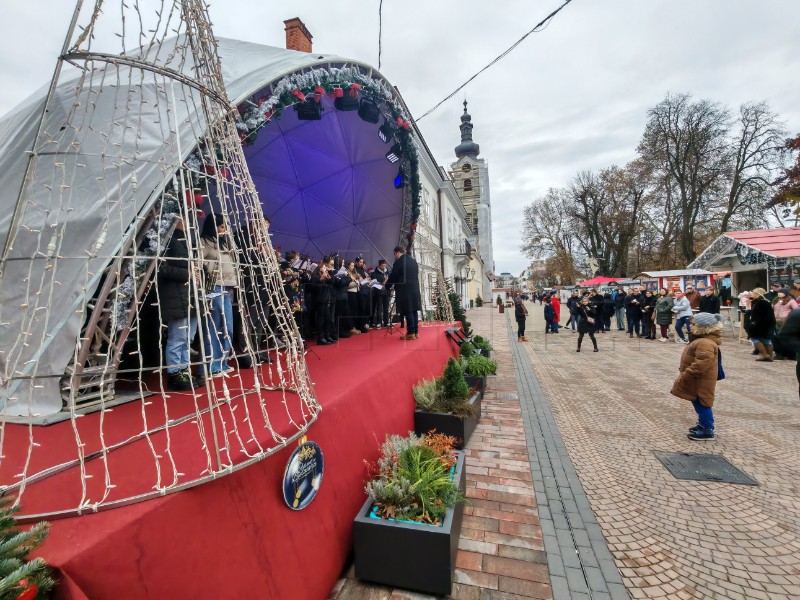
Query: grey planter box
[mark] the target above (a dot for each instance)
(447, 423)
(409, 555)
(479, 383)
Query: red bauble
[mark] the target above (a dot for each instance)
(319, 90)
(299, 95)
(224, 172)
(413, 227)
(355, 86)
(29, 591)
(209, 169)
(410, 237)
(399, 121)
(338, 92)
(317, 98)
(406, 125)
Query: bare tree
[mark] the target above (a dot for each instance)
(755, 161)
(687, 141)
(548, 234)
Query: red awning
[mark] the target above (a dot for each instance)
(782, 242)
(599, 281)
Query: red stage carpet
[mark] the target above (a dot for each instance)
(235, 537)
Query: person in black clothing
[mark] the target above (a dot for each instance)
(762, 324)
(341, 279)
(177, 309)
(608, 311)
(789, 337)
(320, 284)
(380, 298)
(619, 309)
(404, 278)
(363, 296)
(633, 312)
(709, 302)
(648, 315)
(520, 313)
(587, 319)
(572, 306)
(549, 316)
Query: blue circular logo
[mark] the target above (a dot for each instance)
(303, 475)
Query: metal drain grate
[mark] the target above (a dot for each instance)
(703, 467)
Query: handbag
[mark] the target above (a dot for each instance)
(720, 370)
(590, 320)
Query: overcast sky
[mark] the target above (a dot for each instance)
(570, 98)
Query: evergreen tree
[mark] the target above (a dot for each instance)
(21, 579)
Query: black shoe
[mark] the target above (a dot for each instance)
(630, 335)
(696, 429)
(703, 435)
(179, 382)
(754, 353)
(244, 362)
(364, 329)
(596, 350)
(578, 350)
(343, 335)
(323, 342)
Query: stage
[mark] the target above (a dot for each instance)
(234, 537)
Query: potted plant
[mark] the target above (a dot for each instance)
(476, 369)
(447, 404)
(406, 533)
(483, 345)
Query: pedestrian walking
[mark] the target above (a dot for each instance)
(556, 304)
(549, 317)
(663, 310)
(683, 314)
(700, 368)
(572, 305)
(520, 314)
(762, 325)
(587, 320)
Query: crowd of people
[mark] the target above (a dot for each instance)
(225, 297)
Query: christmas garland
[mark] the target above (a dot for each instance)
(312, 85)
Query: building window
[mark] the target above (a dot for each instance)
(466, 168)
(468, 185)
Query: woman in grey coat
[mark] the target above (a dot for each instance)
(664, 306)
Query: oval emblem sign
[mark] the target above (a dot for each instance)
(303, 475)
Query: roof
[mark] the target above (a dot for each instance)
(599, 281)
(782, 242)
(676, 273)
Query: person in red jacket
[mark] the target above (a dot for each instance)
(556, 304)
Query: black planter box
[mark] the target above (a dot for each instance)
(447, 423)
(409, 555)
(486, 353)
(476, 383)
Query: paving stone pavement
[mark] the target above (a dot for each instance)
(501, 550)
(672, 538)
(590, 487)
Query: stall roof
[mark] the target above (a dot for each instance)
(783, 242)
(598, 281)
(675, 273)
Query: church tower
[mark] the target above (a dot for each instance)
(470, 176)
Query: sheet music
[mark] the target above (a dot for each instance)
(374, 283)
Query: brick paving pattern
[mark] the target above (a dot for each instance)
(672, 538)
(501, 551)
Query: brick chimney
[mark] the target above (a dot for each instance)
(297, 35)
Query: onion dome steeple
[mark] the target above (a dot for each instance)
(467, 147)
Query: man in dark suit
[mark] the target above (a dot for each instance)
(380, 298)
(404, 278)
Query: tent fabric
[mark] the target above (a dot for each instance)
(598, 281)
(100, 162)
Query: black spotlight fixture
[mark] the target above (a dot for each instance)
(346, 102)
(369, 111)
(310, 110)
(386, 132)
(393, 155)
(400, 180)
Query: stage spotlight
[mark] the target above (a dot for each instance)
(386, 132)
(400, 180)
(393, 155)
(346, 103)
(369, 111)
(308, 110)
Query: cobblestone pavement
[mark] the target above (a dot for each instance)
(672, 538)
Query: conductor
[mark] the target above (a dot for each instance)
(405, 280)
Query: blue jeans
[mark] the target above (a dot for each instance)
(219, 329)
(705, 416)
(180, 333)
(412, 322)
(620, 314)
(679, 326)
